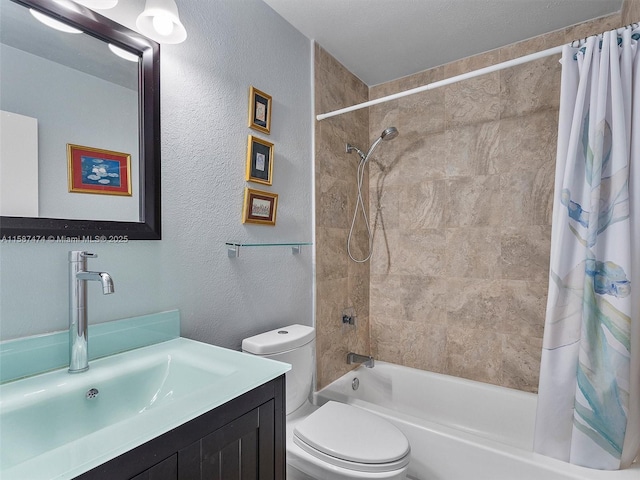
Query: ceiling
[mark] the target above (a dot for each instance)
(382, 40)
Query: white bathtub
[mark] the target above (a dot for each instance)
(459, 429)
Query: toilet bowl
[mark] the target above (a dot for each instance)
(335, 441)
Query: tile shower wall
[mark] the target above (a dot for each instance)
(340, 283)
(458, 279)
(630, 12)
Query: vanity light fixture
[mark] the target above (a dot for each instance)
(98, 4)
(160, 21)
(53, 23)
(132, 57)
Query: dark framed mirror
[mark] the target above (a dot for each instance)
(111, 115)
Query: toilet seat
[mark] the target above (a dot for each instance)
(352, 438)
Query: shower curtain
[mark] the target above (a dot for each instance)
(589, 391)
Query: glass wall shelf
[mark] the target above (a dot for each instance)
(233, 248)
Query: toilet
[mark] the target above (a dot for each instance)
(335, 441)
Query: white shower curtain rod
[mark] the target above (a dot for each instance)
(457, 78)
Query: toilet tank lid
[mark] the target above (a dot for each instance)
(279, 340)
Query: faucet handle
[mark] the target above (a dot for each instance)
(79, 255)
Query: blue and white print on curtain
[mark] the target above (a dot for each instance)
(589, 391)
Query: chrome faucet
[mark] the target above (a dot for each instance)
(367, 361)
(78, 277)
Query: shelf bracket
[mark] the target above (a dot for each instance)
(233, 251)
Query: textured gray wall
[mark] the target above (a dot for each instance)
(204, 88)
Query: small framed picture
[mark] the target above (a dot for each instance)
(259, 207)
(259, 110)
(259, 161)
(93, 170)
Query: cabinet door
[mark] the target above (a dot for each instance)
(165, 470)
(240, 450)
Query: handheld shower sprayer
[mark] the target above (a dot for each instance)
(388, 134)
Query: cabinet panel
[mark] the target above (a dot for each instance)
(243, 439)
(241, 450)
(165, 470)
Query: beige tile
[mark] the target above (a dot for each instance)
(333, 339)
(329, 93)
(335, 89)
(593, 27)
(332, 298)
(406, 83)
(527, 197)
(384, 206)
(331, 255)
(382, 116)
(384, 89)
(530, 87)
(554, 39)
(422, 206)
(408, 159)
(422, 113)
(332, 362)
(331, 157)
(384, 242)
(358, 244)
(472, 101)
(473, 252)
(344, 78)
(473, 201)
(331, 295)
(630, 12)
(358, 293)
(520, 49)
(472, 149)
(410, 344)
(471, 63)
(408, 297)
(527, 143)
(475, 304)
(525, 253)
(332, 203)
(521, 362)
(420, 252)
(475, 354)
(524, 307)
(419, 79)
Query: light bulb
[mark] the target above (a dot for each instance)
(163, 25)
(123, 53)
(53, 23)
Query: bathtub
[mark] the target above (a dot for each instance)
(459, 429)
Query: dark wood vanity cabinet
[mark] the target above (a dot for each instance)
(241, 439)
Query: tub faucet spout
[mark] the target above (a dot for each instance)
(78, 324)
(366, 360)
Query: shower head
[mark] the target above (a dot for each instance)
(388, 134)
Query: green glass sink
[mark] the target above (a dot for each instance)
(57, 425)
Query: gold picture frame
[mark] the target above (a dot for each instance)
(98, 171)
(259, 110)
(259, 207)
(259, 161)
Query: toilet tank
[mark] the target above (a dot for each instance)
(296, 346)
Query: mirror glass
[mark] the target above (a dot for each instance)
(79, 123)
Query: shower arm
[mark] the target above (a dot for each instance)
(364, 157)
